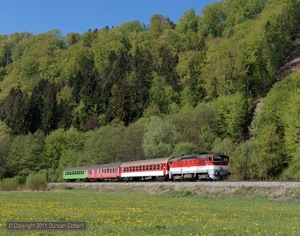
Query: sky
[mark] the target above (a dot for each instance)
(78, 16)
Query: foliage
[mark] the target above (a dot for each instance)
(184, 148)
(105, 145)
(10, 184)
(275, 140)
(244, 162)
(159, 139)
(292, 172)
(25, 154)
(36, 182)
(89, 98)
(230, 114)
(5, 140)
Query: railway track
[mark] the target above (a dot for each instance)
(146, 184)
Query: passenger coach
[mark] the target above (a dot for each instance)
(145, 169)
(104, 172)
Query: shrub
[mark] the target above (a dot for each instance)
(10, 184)
(36, 182)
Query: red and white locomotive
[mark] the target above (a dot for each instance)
(199, 166)
(195, 166)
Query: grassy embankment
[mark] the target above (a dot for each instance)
(139, 213)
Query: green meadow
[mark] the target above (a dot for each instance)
(140, 213)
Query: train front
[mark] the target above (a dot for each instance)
(217, 166)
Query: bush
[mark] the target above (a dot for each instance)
(10, 184)
(36, 182)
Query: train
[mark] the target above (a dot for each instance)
(212, 166)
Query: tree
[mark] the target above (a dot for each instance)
(5, 140)
(244, 162)
(158, 23)
(292, 172)
(25, 155)
(57, 142)
(133, 141)
(212, 19)
(184, 148)
(271, 155)
(15, 111)
(104, 145)
(162, 94)
(230, 114)
(159, 139)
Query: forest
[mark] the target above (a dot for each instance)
(207, 83)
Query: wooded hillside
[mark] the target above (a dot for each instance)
(137, 91)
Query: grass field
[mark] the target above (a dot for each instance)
(138, 213)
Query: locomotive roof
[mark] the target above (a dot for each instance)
(146, 162)
(200, 155)
(113, 165)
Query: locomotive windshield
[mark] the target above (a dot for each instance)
(221, 158)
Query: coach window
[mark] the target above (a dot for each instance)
(154, 167)
(150, 167)
(146, 167)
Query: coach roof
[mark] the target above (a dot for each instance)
(146, 162)
(114, 165)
